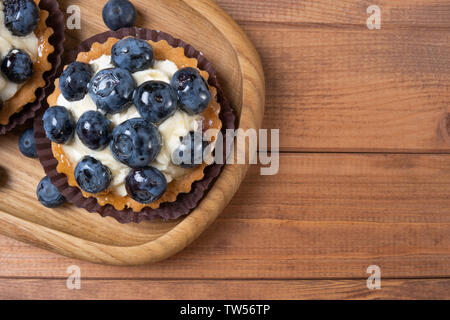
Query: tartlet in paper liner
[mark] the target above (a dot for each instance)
(182, 195)
(162, 51)
(27, 100)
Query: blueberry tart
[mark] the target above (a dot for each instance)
(25, 48)
(126, 122)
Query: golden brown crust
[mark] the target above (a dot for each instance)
(162, 51)
(26, 93)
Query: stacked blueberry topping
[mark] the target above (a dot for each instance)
(156, 101)
(132, 54)
(112, 90)
(91, 175)
(190, 152)
(192, 90)
(17, 66)
(21, 18)
(59, 124)
(74, 81)
(145, 185)
(136, 142)
(93, 129)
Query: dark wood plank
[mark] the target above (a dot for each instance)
(351, 89)
(224, 289)
(333, 85)
(322, 216)
(412, 13)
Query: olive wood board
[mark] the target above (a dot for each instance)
(76, 233)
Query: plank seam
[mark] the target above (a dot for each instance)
(221, 279)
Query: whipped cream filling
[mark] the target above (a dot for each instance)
(8, 41)
(178, 125)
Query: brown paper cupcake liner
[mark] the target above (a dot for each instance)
(185, 202)
(55, 21)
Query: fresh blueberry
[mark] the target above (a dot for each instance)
(156, 101)
(132, 54)
(74, 81)
(21, 16)
(145, 185)
(136, 142)
(48, 195)
(58, 124)
(119, 14)
(91, 175)
(93, 130)
(17, 66)
(27, 145)
(190, 152)
(192, 89)
(112, 90)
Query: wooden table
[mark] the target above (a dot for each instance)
(364, 169)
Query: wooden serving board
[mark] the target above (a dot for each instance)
(77, 233)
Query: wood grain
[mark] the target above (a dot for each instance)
(24, 219)
(224, 289)
(322, 216)
(412, 13)
(332, 85)
(355, 90)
